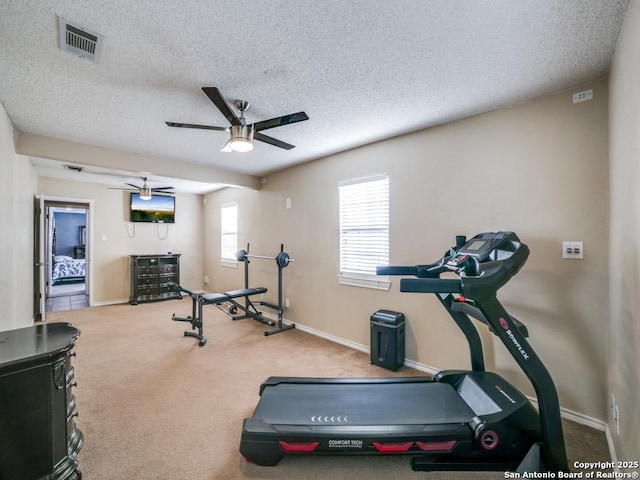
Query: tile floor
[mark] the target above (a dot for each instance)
(57, 304)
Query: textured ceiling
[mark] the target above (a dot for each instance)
(363, 70)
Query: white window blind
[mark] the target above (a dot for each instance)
(364, 230)
(229, 232)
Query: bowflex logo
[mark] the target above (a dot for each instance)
(515, 341)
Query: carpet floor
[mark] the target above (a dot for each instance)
(154, 405)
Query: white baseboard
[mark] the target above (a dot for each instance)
(356, 346)
(576, 417)
(109, 302)
(126, 300)
(583, 419)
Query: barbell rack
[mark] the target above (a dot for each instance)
(282, 260)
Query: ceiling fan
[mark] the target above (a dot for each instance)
(242, 135)
(145, 191)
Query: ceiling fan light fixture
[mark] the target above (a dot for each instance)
(241, 145)
(241, 138)
(145, 193)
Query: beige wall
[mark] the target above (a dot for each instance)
(110, 256)
(539, 169)
(624, 314)
(18, 184)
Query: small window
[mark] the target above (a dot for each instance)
(364, 232)
(228, 234)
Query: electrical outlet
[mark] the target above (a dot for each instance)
(573, 250)
(615, 413)
(286, 303)
(583, 96)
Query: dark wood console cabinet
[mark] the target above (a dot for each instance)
(150, 277)
(38, 435)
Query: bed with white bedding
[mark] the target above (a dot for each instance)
(66, 268)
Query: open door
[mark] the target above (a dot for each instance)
(39, 260)
(66, 237)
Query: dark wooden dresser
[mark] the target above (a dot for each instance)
(151, 276)
(38, 435)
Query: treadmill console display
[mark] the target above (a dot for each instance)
(483, 244)
(475, 245)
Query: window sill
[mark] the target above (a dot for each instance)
(366, 281)
(227, 262)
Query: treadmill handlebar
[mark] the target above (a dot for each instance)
(395, 270)
(431, 270)
(485, 262)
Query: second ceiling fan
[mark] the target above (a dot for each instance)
(145, 191)
(242, 135)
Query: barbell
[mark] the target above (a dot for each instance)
(282, 259)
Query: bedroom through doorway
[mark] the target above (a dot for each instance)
(66, 246)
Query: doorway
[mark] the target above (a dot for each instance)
(65, 245)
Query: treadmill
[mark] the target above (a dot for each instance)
(459, 420)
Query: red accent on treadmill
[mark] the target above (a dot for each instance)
(489, 440)
(392, 447)
(437, 446)
(461, 298)
(299, 447)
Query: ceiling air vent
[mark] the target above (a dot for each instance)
(79, 41)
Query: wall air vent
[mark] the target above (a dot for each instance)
(79, 41)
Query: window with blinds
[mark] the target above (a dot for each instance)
(228, 233)
(364, 231)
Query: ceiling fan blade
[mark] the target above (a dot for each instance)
(279, 121)
(134, 186)
(214, 95)
(161, 189)
(191, 125)
(273, 141)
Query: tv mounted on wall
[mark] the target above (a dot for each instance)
(160, 209)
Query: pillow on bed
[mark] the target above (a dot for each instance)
(62, 258)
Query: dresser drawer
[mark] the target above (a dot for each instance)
(146, 280)
(167, 269)
(148, 289)
(147, 262)
(148, 270)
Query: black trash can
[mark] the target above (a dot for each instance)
(387, 339)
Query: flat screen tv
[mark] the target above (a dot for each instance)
(160, 209)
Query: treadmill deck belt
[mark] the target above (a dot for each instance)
(361, 404)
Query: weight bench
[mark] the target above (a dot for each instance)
(218, 299)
